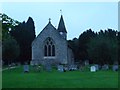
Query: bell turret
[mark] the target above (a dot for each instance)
(61, 28)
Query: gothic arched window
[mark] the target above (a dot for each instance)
(49, 47)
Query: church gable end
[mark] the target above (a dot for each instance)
(50, 45)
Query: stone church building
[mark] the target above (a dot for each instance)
(51, 45)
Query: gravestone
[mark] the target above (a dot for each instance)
(74, 67)
(12, 64)
(115, 67)
(48, 67)
(93, 69)
(70, 67)
(60, 68)
(86, 62)
(105, 67)
(65, 68)
(96, 66)
(26, 68)
(31, 63)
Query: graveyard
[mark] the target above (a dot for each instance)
(17, 78)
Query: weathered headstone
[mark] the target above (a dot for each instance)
(12, 64)
(65, 68)
(115, 67)
(31, 63)
(96, 66)
(48, 67)
(70, 67)
(93, 69)
(26, 68)
(60, 68)
(86, 62)
(75, 67)
(105, 67)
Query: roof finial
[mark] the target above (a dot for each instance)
(61, 11)
(49, 19)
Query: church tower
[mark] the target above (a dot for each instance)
(62, 29)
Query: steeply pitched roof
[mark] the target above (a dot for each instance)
(61, 26)
(49, 25)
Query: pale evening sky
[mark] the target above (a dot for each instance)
(78, 16)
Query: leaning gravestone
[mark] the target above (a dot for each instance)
(60, 68)
(26, 68)
(93, 69)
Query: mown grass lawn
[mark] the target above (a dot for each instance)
(15, 78)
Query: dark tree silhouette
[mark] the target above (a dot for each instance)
(103, 48)
(10, 47)
(118, 38)
(84, 38)
(24, 33)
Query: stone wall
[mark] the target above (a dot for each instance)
(60, 45)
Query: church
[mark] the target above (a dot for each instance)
(50, 46)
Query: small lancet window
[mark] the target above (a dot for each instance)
(53, 50)
(45, 50)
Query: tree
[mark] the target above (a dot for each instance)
(10, 50)
(24, 33)
(7, 24)
(103, 49)
(118, 38)
(10, 47)
(84, 38)
(74, 44)
(0, 31)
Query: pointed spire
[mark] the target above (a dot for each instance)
(61, 26)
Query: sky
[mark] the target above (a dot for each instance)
(78, 16)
